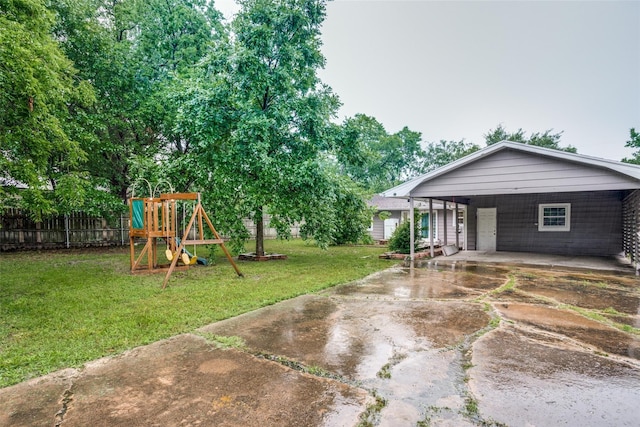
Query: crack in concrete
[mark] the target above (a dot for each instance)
(67, 398)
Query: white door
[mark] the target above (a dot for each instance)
(487, 229)
(390, 226)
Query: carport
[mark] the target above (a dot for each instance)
(523, 198)
(462, 259)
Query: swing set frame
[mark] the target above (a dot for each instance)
(154, 218)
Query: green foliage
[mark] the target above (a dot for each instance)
(40, 94)
(97, 94)
(258, 121)
(633, 142)
(547, 139)
(375, 159)
(133, 53)
(444, 152)
(384, 215)
(400, 240)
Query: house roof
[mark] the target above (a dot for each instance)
(631, 173)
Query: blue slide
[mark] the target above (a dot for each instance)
(200, 260)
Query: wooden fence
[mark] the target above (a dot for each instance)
(77, 230)
(19, 232)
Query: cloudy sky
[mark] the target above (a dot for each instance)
(456, 69)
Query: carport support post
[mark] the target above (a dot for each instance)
(431, 227)
(457, 228)
(412, 237)
(446, 212)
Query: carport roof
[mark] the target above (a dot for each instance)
(629, 171)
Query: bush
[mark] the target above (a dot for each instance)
(400, 240)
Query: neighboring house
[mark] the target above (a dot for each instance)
(397, 211)
(530, 199)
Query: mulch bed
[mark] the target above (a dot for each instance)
(417, 255)
(251, 256)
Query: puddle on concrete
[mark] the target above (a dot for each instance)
(422, 284)
(524, 378)
(447, 324)
(487, 270)
(423, 386)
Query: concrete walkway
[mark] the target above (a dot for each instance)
(611, 264)
(469, 346)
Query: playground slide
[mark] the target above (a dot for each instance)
(200, 260)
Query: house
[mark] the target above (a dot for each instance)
(525, 198)
(391, 212)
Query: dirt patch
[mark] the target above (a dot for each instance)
(513, 295)
(572, 325)
(599, 295)
(446, 324)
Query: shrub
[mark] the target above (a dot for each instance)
(400, 240)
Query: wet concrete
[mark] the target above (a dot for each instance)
(440, 346)
(525, 378)
(183, 381)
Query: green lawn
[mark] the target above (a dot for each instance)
(61, 309)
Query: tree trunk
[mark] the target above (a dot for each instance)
(259, 232)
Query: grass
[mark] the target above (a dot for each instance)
(371, 416)
(61, 309)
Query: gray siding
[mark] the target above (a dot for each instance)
(377, 232)
(451, 228)
(596, 223)
(514, 172)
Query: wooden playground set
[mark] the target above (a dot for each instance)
(154, 220)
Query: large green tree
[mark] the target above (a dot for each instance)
(134, 53)
(546, 139)
(258, 119)
(374, 158)
(40, 96)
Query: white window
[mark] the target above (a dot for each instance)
(554, 217)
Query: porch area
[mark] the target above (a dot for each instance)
(618, 264)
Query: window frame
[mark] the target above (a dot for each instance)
(434, 224)
(567, 217)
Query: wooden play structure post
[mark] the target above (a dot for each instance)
(154, 218)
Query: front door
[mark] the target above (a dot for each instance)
(390, 226)
(487, 219)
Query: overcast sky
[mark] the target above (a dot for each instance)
(456, 69)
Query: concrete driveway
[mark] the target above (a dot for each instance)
(470, 345)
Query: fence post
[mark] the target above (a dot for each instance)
(66, 231)
(121, 230)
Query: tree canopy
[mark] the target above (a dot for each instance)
(633, 142)
(546, 139)
(40, 93)
(258, 119)
(438, 154)
(374, 158)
